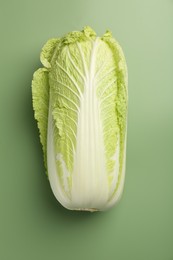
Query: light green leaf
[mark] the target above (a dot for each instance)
(40, 95)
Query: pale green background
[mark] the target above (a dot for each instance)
(32, 223)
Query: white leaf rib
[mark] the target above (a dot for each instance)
(99, 70)
(64, 85)
(72, 80)
(83, 60)
(69, 108)
(72, 120)
(70, 142)
(105, 98)
(75, 67)
(69, 153)
(108, 105)
(71, 101)
(107, 88)
(107, 132)
(107, 127)
(69, 127)
(68, 149)
(107, 118)
(105, 75)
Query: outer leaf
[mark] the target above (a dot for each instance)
(47, 52)
(40, 94)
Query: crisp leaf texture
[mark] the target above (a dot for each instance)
(83, 119)
(40, 92)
